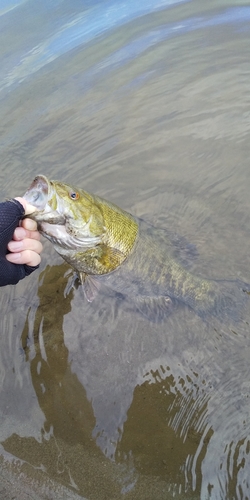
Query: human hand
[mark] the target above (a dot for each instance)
(25, 246)
(20, 245)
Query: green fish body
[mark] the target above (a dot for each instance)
(106, 245)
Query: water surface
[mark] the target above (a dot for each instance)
(149, 107)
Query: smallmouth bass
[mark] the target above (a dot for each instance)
(106, 245)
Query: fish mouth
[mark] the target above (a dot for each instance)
(38, 192)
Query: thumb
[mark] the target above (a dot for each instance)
(29, 209)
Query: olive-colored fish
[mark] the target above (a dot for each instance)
(106, 245)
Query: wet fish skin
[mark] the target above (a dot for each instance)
(91, 234)
(105, 244)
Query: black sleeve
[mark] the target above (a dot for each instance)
(11, 212)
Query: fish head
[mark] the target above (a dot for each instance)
(66, 215)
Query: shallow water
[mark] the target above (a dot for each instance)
(148, 107)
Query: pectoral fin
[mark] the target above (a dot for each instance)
(90, 285)
(71, 284)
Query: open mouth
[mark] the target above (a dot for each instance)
(40, 195)
(38, 192)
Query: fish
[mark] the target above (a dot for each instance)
(107, 246)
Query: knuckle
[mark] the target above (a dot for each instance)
(29, 224)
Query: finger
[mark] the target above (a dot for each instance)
(26, 257)
(20, 234)
(29, 224)
(29, 209)
(25, 244)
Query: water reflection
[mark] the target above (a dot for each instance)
(93, 21)
(163, 385)
(157, 401)
(66, 435)
(61, 397)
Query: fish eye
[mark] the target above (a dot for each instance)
(74, 195)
